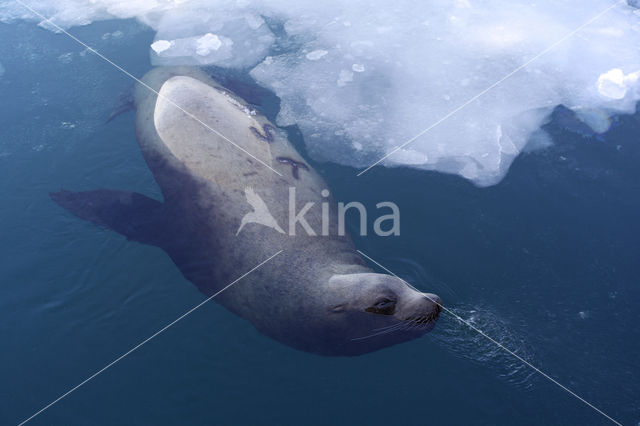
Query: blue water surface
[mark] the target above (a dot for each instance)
(546, 262)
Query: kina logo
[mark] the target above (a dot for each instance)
(260, 213)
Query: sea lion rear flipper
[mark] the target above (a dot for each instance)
(131, 214)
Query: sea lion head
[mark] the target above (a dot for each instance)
(369, 311)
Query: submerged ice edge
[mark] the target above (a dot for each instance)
(361, 80)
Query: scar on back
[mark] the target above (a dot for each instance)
(295, 165)
(267, 137)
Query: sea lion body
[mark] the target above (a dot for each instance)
(209, 152)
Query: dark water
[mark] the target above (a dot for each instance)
(546, 262)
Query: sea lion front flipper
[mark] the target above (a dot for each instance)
(131, 214)
(125, 103)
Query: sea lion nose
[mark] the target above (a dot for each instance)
(435, 299)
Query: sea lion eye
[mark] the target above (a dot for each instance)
(383, 306)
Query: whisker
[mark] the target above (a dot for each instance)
(388, 326)
(410, 323)
(391, 329)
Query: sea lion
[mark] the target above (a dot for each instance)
(213, 156)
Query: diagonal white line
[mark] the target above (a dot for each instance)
(501, 346)
(127, 73)
(64, 395)
(462, 106)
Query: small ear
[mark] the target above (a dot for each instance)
(338, 308)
